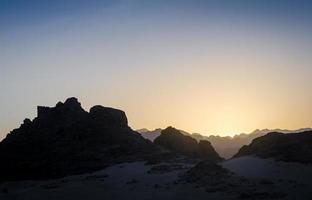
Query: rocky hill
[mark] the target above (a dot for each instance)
(292, 147)
(173, 140)
(66, 139)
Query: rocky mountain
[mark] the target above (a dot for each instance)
(66, 139)
(173, 140)
(292, 147)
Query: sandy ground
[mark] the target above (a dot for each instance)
(293, 178)
(254, 167)
(139, 181)
(124, 181)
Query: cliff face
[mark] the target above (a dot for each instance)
(292, 147)
(66, 139)
(171, 139)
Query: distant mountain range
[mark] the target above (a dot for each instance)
(150, 135)
(226, 146)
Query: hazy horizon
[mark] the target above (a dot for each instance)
(210, 67)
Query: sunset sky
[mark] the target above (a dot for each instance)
(207, 66)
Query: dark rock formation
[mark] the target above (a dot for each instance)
(66, 139)
(206, 150)
(293, 147)
(206, 172)
(111, 117)
(171, 139)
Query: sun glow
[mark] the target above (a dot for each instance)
(178, 65)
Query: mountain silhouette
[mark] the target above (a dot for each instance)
(173, 140)
(226, 146)
(292, 147)
(66, 139)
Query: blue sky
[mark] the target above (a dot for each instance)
(219, 67)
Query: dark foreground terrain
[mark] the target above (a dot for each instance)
(173, 180)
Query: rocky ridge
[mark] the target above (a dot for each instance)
(66, 139)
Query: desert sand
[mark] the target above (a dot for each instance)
(137, 180)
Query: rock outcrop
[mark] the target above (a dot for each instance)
(292, 147)
(206, 172)
(173, 140)
(66, 139)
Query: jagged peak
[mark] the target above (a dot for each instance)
(71, 104)
(27, 121)
(170, 129)
(72, 101)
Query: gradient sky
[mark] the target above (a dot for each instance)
(213, 66)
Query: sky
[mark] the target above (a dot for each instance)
(208, 66)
